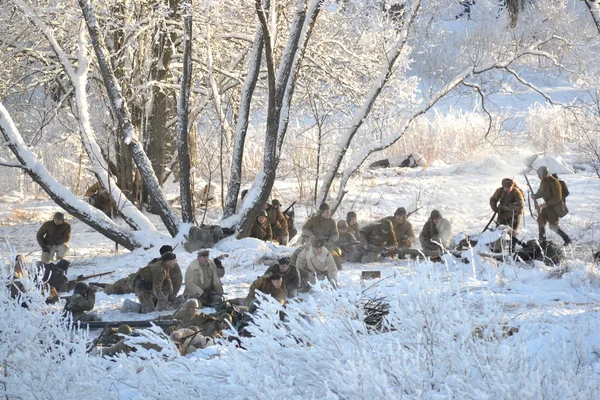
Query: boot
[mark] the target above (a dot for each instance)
(564, 236)
(542, 236)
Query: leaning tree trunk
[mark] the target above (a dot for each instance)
(121, 111)
(29, 163)
(187, 212)
(594, 7)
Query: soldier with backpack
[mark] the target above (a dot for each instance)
(508, 202)
(554, 207)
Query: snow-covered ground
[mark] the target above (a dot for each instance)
(445, 334)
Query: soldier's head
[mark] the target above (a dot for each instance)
(400, 215)
(317, 245)
(58, 218)
(125, 330)
(351, 218)
(324, 210)
(386, 226)
(169, 260)
(542, 172)
(342, 225)
(165, 249)
(63, 265)
(262, 217)
(81, 288)
(508, 184)
(225, 320)
(275, 203)
(436, 216)
(203, 257)
(284, 264)
(276, 280)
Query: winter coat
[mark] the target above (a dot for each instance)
(373, 235)
(324, 268)
(276, 219)
(442, 232)
(510, 202)
(321, 228)
(262, 231)
(405, 233)
(264, 285)
(291, 278)
(51, 234)
(354, 229)
(156, 278)
(345, 240)
(78, 303)
(551, 191)
(199, 279)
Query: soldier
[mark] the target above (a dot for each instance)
(376, 240)
(99, 198)
(210, 325)
(436, 232)
(352, 222)
(202, 280)
(278, 222)
(290, 275)
(83, 299)
(315, 260)
(510, 207)
(269, 284)
(188, 340)
(261, 228)
(153, 284)
(405, 233)
(322, 226)
(554, 207)
(55, 275)
(53, 237)
(346, 241)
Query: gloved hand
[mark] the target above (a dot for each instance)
(46, 249)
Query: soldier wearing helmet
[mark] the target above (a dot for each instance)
(83, 299)
(376, 240)
(553, 208)
(262, 228)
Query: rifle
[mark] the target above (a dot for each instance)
(288, 209)
(81, 278)
(537, 207)
(491, 219)
(413, 211)
(163, 323)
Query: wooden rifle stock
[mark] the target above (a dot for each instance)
(537, 206)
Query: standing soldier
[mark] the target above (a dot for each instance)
(262, 229)
(278, 222)
(352, 222)
(508, 202)
(83, 299)
(323, 227)
(376, 239)
(153, 284)
(202, 280)
(290, 275)
(435, 233)
(53, 237)
(405, 233)
(554, 207)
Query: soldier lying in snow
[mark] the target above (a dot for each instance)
(404, 161)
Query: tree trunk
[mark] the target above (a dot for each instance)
(121, 111)
(87, 214)
(187, 212)
(594, 7)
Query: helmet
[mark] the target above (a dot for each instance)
(435, 214)
(275, 202)
(224, 317)
(386, 225)
(543, 170)
(342, 224)
(400, 211)
(263, 213)
(191, 303)
(125, 330)
(80, 287)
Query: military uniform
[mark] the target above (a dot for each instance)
(264, 285)
(279, 225)
(203, 282)
(291, 279)
(309, 264)
(53, 240)
(262, 231)
(153, 285)
(510, 209)
(99, 198)
(551, 191)
(79, 303)
(433, 235)
(374, 241)
(405, 233)
(326, 229)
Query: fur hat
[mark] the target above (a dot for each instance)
(275, 276)
(400, 211)
(507, 182)
(63, 265)
(435, 214)
(543, 170)
(341, 224)
(315, 242)
(168, 256)
(284, 260)
(165, 249)
(324, 207)
(275, 202)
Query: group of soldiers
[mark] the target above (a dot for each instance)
(325, 244)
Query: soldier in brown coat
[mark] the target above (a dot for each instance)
(405, 233)
(554, 207)
(278, 222)
(270, 284)
(53, 237)
(436, 234)
(376, 239)
(262, 228)
(352, 222)
(289, 274)
(346, 241)
(153, 284)
(99, 198)
(323, 227)
(508, 202)
(83, 299)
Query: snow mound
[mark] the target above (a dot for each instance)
(556, 165)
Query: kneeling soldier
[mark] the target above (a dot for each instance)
(83, 299)
(153, 284)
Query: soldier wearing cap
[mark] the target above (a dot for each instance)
(376, 240)
(269, 284)
(508, 202)
(278, 222)
(553, 208)
(83, 299)
(405, 233)
(436, 235)
(289, 274)
(53, 237)
(323, 227)
(262, 228)
(153, 284)
(315, 262)
(202, 280)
